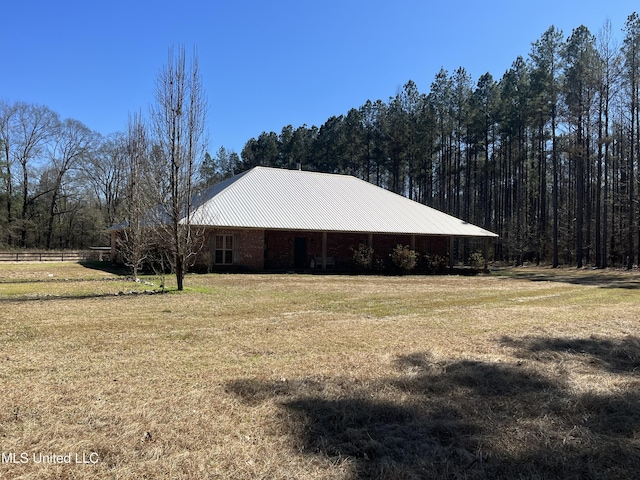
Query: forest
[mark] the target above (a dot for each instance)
(546, 156)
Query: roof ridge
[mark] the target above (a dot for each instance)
(308, 172)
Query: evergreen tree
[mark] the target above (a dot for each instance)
(545, 82)
(631, 52)
(579, 91)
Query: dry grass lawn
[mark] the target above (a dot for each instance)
(528, 373)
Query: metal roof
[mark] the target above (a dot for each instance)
(279, 199)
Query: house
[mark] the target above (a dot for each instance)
(276, 219)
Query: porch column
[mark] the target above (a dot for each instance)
(413, 242)
(485, 252)
(113, 246)
(324, 250)
(452, 247)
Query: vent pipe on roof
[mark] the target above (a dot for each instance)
(299, 166)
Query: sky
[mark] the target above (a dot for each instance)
(266, 64)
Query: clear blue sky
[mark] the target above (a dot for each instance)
(266, 64)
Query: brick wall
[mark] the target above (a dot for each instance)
(280, 247)
(251, 249)
(258, 250)
(248, 255)
(340, 245)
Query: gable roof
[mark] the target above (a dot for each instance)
(279, 199)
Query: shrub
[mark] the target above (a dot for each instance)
(362, 257)
(476, 260)
(404, 258)
(434, 263)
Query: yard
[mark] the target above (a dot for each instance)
(523, 373)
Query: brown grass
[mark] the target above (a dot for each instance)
(528, 373)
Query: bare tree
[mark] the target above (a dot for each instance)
(25, 130)
(105, 173)
(179, 116)
(7, 113)
(73, 142)
(134, 239)
(36, 125)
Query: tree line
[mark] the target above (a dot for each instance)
(546, 156)
(49, 195)
(64, 186)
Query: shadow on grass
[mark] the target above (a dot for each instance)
(85, 296)
(595, 278)
(619, 356)
(469, 419)
(122, 277)
(107, 267)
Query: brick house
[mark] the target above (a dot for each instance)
(277, 219)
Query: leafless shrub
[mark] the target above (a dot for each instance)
(363, 257)
(404, 258)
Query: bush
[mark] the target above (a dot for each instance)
(363, 257)
(434, 263)
(404, 258)
(476, 260)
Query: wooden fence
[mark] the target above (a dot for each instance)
(50, 256)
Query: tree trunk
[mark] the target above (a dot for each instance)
(180, 272)
(554, 157)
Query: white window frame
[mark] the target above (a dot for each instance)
(227, 250)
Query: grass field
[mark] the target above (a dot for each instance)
(523, 373)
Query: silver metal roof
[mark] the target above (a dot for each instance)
(278, 199)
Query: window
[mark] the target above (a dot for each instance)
(224, 250)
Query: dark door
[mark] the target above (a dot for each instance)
(300, 252)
